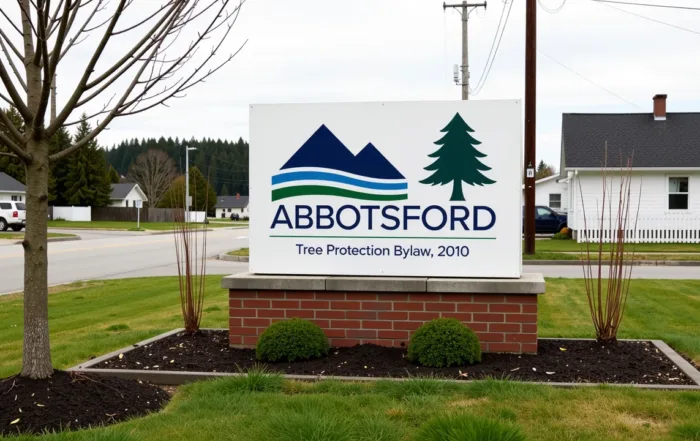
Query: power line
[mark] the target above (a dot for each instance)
(588, 80)
(647, 18)
(689, 8)
(552, 10)
(487, 69)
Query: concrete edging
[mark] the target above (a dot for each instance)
(229, 258)
(56, 239)
(527, 284)
(179, 377)
(633, 263)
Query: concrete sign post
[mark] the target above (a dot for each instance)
(427, 189)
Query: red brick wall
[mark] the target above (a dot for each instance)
(504, 323)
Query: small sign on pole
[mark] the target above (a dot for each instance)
(139, 205)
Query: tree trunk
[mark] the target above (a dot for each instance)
(36, 362)
(457, 194)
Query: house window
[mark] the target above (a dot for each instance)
(555, 200)
(133, 204)
(678, 193)
(241, 210)
(229, 210)
(17, 198)
(127, 202)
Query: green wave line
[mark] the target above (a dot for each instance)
(323, 190)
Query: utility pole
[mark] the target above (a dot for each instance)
(188, 199)
(465, 42)
(530, 122)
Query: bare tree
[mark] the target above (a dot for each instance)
(140, 60)
(154, 171)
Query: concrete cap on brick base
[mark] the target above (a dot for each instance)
(527, 284)
(248, 281)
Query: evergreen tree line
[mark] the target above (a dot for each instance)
(224, 164)
(81, 179)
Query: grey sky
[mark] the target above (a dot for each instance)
(372, 50)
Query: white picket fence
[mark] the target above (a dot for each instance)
(652, 229)
(78, 214)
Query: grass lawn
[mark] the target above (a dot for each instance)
(131, 226)
(97, 317)
(239, 252)
(267, 408)
(550, 245)
(20, 235)
(92, 318)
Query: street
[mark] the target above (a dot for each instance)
(117, 254)
(121, 254)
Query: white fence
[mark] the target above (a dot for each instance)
(78, 214)
(197, 216)
(658, 229)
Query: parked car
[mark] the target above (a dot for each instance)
(235, 216)
(548, 221)
(12, 215)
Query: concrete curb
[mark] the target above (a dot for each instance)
(230, 258)
(634, 263)
(56, 239)
(179, 377)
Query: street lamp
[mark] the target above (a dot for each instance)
(188, 198)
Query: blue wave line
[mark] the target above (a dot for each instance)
(332, 177)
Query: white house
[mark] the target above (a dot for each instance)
(551, 192)
(227, 205)
(11, 189)
(665, 152)
(126, 195)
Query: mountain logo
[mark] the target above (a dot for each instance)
(457, 160)
(323, 166)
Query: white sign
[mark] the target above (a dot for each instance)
(139, 204)
(386, 189)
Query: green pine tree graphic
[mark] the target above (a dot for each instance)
(457, 159)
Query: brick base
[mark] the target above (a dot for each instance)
(503, 323)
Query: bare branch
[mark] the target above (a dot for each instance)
(14, 131)
(19, 151)
(16, 99)
(10, 21)
(11, 155)
(80, 88)
(12, 64)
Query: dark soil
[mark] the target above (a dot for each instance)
(73, 400)
(556, 361)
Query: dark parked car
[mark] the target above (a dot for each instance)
(548, 221)
(235, 216)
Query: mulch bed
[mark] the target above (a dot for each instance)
(72, 401)
(556, 361)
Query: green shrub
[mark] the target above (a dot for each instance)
(444, 342)
(291, 340)
(468, 428)
(561, 236)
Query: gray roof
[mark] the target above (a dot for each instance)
(231, 201)
(120, 191)
(8, 183)
(674, 142)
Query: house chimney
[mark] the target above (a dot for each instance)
(660, 107)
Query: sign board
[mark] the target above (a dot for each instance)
(139, 204)
(386, 189)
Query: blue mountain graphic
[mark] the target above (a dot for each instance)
(324, 150)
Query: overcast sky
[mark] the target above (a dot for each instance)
(400, 50)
